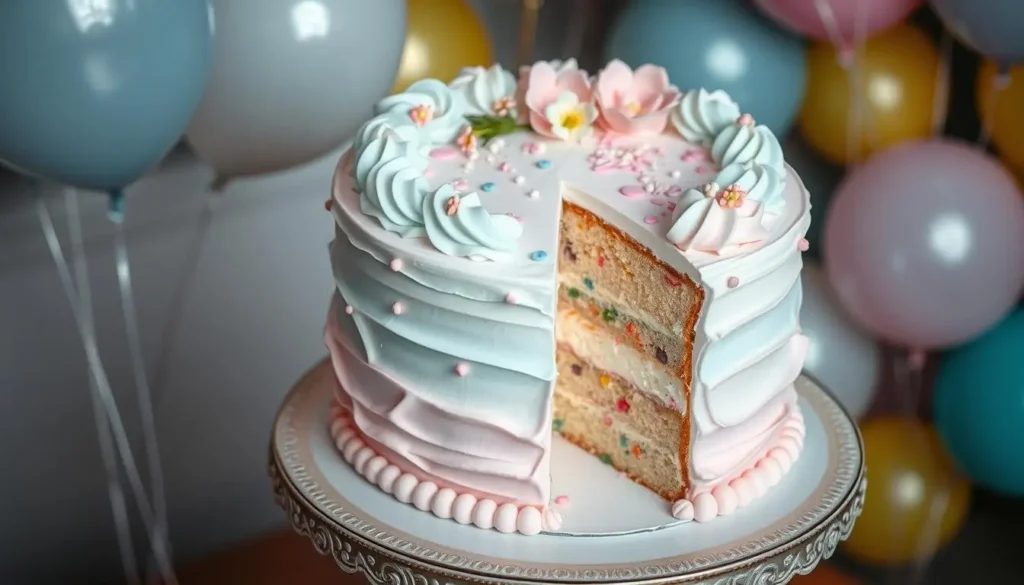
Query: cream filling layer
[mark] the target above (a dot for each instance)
(622, 360)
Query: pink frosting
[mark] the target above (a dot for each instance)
(704, 224)
(754, 481)
(541, 85)
(425, 495)
(634, 102)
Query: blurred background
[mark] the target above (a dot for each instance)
(163, 246)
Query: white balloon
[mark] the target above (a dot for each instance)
(293, 79)
(841, 356)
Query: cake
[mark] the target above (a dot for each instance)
(602, 257)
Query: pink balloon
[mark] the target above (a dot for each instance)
(924, 243)
(854, 19)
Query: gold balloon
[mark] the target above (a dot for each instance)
(824, 574)
(916, 503)
(999, 104)
(896, 74)
(442, 37)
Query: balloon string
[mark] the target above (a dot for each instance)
(104, 394)
(149, 436)
(940, 102)
(847, 59)
(528, 30)
(81, 307)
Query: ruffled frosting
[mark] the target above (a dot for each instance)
(761, 184)
(447, 109)
(482, 88)
(701, 115)
(701, 223)
(394, 194)
(390, 143)
(743, 142)
(458, 225)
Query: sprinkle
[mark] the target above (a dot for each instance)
(328, 204)
(557, 424)
(605, 380)
(674, 174)
(398, 308)
(519, 180)
(461, 368)
(650, 219)
(494, 147)
(447, 152)
(589, 283)
(733, 282)
(803, 245)
(671, 206)
(348, 309)
(562, 500)
(745, 120)
(649, 188)
(662, 356)
(637, 451)
(491, 159)
(504, 167)
(632, 191)
(396, 264)
(511, 298)
(532, 148)
(605, 458)
(573, 293)
(644, 179)
(498, 143)
(607, 420)
(609, 314)
(577, 369)
(533, 194)
(487, 187)
(459, 184)
(623, 440)
(539, 256)
(658, 202)
(622, 405)
(600, 261)
(568, 252)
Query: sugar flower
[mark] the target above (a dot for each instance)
(558, 103)
(634, 102)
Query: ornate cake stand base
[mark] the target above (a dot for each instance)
(786, 533)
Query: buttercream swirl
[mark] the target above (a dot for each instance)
(760, 182)
(395, 191)
(744, 141)
(701, 115)
(436, 110)
(701, 222)
(458, 225)
(483, 89)
(389, 144)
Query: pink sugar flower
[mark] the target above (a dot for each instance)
(558, 103)
(634, 102)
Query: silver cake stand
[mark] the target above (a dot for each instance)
(787, 532)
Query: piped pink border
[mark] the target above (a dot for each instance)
(426, 496)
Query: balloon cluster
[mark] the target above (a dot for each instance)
(921, 236)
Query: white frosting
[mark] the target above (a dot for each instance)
(394, 193)
(375, 127)
(388, 145)
(700, 223)
(701, 115)
(483, 88)
(741, 143)
(447, 109)
(458, 225)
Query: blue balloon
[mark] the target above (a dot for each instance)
(95, 93)
(979, 406)
(991, 27)
(717, 44)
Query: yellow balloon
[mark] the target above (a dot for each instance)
(824, 574)
(442, 37)
(896, 73)
(999, 105)
(916, 502)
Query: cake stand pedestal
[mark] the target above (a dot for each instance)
(785, 533)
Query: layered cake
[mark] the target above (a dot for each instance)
(602, 257)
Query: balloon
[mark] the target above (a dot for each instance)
(441, 52)
(716, 44)
(979, 406)
(854, 19)
(999, 108)
(821, 178)
(915, 504)
(840, 356)
(990, 27)
(96, 94)
(292, 79)
(897, 73)
(924, 243)
(824, 574)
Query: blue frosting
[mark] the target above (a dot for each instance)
(458, 225)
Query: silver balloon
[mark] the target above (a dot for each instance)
(841, 356)
(293, 79)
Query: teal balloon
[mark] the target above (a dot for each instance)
(717, 44)
(93, 94)
(979, 406)
(991, 27)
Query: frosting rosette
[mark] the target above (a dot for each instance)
(760, 182)
(487, 92)
(431, 106)
(716, 220)
(634, 102)
(388, 145)
(558, 103)
(394, 194)
(701, 115)
(744, 141)
(458, 225)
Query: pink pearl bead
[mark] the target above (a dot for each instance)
(803, 245)
(462, 369)
(396, 264)
(398, 308)
(348, 309)
(733, 282)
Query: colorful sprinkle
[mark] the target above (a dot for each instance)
(589, 283)
(607, 420)
(568, 252)
(600, 261)
(557, 424)
(622, 405)
(661, 355)
(577, 369)
(675, 174)
(651, 219)
(637, 451)
(511, 298)
(623, 441)
(533, 194)
(539, 256)
(605, 380)
(543, 164)
(444, 152)
(574, 293)
(487, 187)
(504, 167)
(562, 500)
(657, 202)
(461, 368)
(396, 264)
(533, 148)
(605, 458)
(348, 309)
(609, 314)
(398, 308)
(632, 191)
(459, 184)
(733, 282)
(519, 180)
(803, 245)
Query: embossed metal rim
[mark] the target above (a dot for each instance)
(358, 546)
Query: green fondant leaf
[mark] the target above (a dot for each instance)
(488, 127)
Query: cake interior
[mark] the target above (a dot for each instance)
(625, 332)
